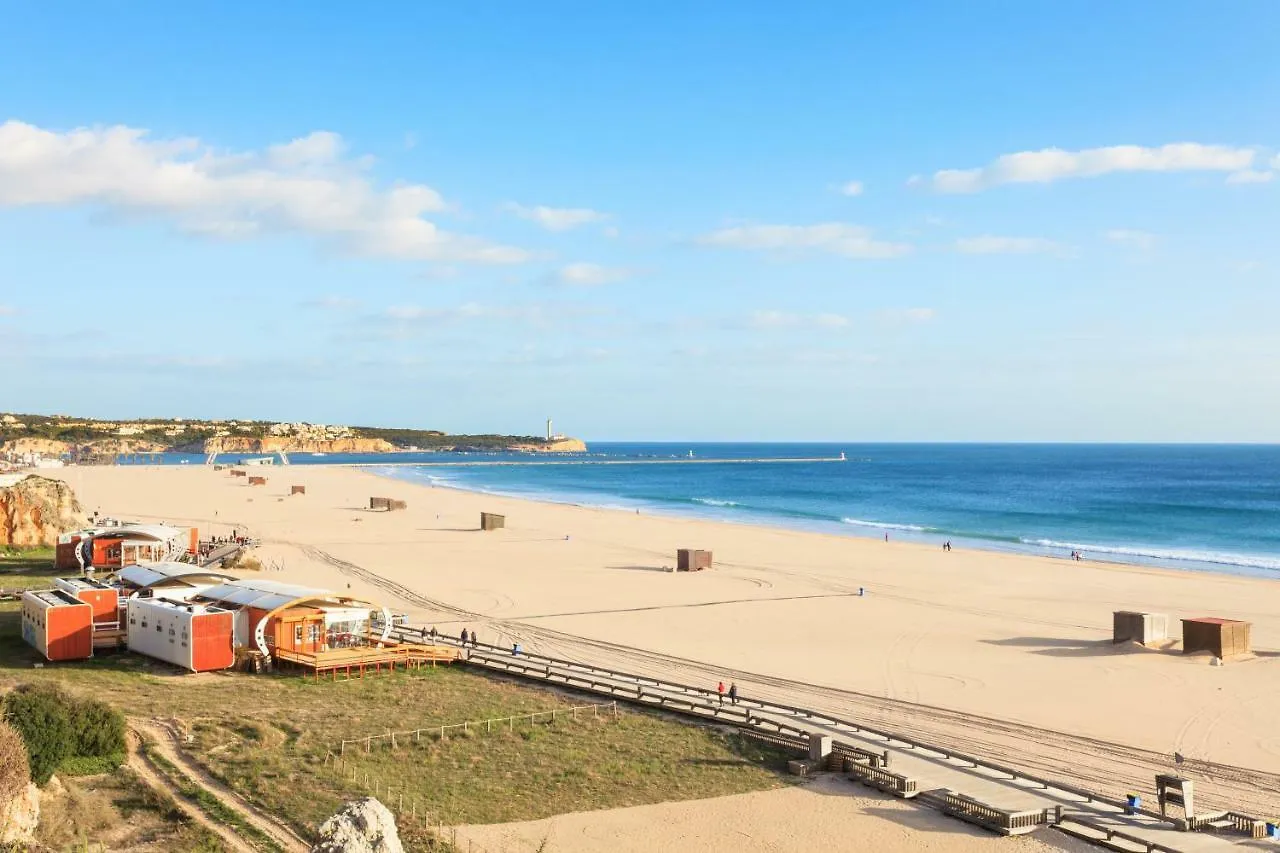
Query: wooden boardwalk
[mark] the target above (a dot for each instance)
(355, 661)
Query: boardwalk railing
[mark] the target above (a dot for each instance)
(394, 739)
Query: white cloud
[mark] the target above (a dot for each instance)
(333, 303)
(306, 186)
(1133, 239)
(589, 275)
(784, 320)
(556, 218)
(900, 316)
(850, 241)
(852, 188)
(992, 245)
(1250, 176)
(1052, 164)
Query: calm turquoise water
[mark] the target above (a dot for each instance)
(1206, 507)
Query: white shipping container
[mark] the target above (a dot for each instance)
(192, 636)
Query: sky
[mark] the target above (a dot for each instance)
(715, 221)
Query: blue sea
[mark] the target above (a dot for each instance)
(1200, 507)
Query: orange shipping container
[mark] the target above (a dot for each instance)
(104, 600)
(57, 625)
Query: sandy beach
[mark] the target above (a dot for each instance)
(939, 642)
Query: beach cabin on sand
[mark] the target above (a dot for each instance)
(193, 636)
(57, 624)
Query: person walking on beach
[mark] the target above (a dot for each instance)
(463, 637)
(720, 691)
(886, 537)
(733, 693)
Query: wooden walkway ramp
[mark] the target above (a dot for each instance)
(1000, 798)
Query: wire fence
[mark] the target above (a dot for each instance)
(395, 739)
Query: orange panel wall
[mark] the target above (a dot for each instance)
(193, 544)
(70, 632)
(105, 603)
(101, 547)
(211, 642)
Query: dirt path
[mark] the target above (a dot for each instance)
(152, 777)
(165, 740)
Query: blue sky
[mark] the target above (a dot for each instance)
(936, 221)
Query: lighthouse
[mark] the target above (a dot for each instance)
(548, 429)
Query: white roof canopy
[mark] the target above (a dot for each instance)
(269, 595)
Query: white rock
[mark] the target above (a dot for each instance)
(19, 819)
(362, 826)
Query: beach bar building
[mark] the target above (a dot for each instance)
(193, 636)
(112, 547)
(168, 580)
(57, 624)
(275, 618)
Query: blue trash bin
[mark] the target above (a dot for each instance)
(1134, 802)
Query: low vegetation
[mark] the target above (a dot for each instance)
(73, 735)
(118, 811)
(214, 808)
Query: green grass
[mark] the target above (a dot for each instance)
(267, 737)
(26, 568)
(211, 805)
(89, 765)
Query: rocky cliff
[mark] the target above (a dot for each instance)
(42, 446)
(274, 444)
(563, 445)
(34, 510)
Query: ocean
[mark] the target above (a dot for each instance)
(1197, 507)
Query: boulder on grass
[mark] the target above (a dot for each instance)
(362, 826)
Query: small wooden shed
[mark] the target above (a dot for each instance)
(297, 490)
(257, 481)
(692, 560)
(236, 472)
(387, 504)
(1225, 638)
(1145, 628)
(492, 521)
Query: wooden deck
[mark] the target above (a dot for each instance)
(357, 660)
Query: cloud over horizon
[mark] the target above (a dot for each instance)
(1053, 164)
(989, 244)
(306, 186)
(556, 218)
(838, 238)
(585, 274)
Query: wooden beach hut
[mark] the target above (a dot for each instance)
(492, 521)
(692, 560)
(1225, 638)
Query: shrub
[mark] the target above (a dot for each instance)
(42, 718)
(15, 772)
(98, 730)
(82, 736)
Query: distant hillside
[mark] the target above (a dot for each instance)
(58, 434)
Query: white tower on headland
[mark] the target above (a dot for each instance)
(548, 429)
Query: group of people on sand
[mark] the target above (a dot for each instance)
(732, 692)
(1076, 555)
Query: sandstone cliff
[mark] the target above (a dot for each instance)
(563, 445)
(42, 446)
(34, 510)
(274, 444)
